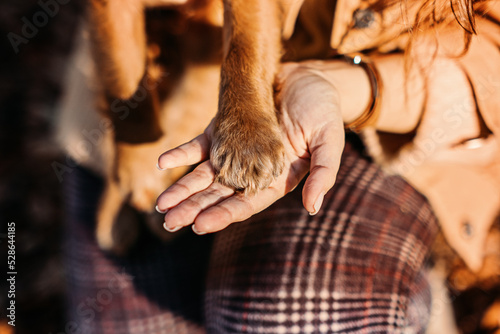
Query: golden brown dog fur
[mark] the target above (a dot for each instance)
(247, 152)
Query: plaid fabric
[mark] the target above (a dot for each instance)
(157, 288)
(355, 267)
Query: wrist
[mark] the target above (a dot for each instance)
(351, 82)
(370, 115)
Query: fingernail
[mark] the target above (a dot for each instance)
(158, 166)
(194, 230)
(159, 210)
(173, 229)
(317, 204)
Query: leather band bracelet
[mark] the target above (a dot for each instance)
(370, 116)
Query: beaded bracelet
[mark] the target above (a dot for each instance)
(370, 115)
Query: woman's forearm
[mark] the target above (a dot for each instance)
(403, 94)
(403, 91)
(399, 111)
(350, 81)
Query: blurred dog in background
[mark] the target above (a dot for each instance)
(141, 81)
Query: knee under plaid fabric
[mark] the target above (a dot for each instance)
(355, 267)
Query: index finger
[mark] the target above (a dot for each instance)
(190, 153)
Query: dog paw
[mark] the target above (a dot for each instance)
(248, 157)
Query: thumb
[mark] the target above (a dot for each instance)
(326, 152)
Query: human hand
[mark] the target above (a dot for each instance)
(313, 136)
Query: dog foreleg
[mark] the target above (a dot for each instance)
(118, 38)
(247, 152)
